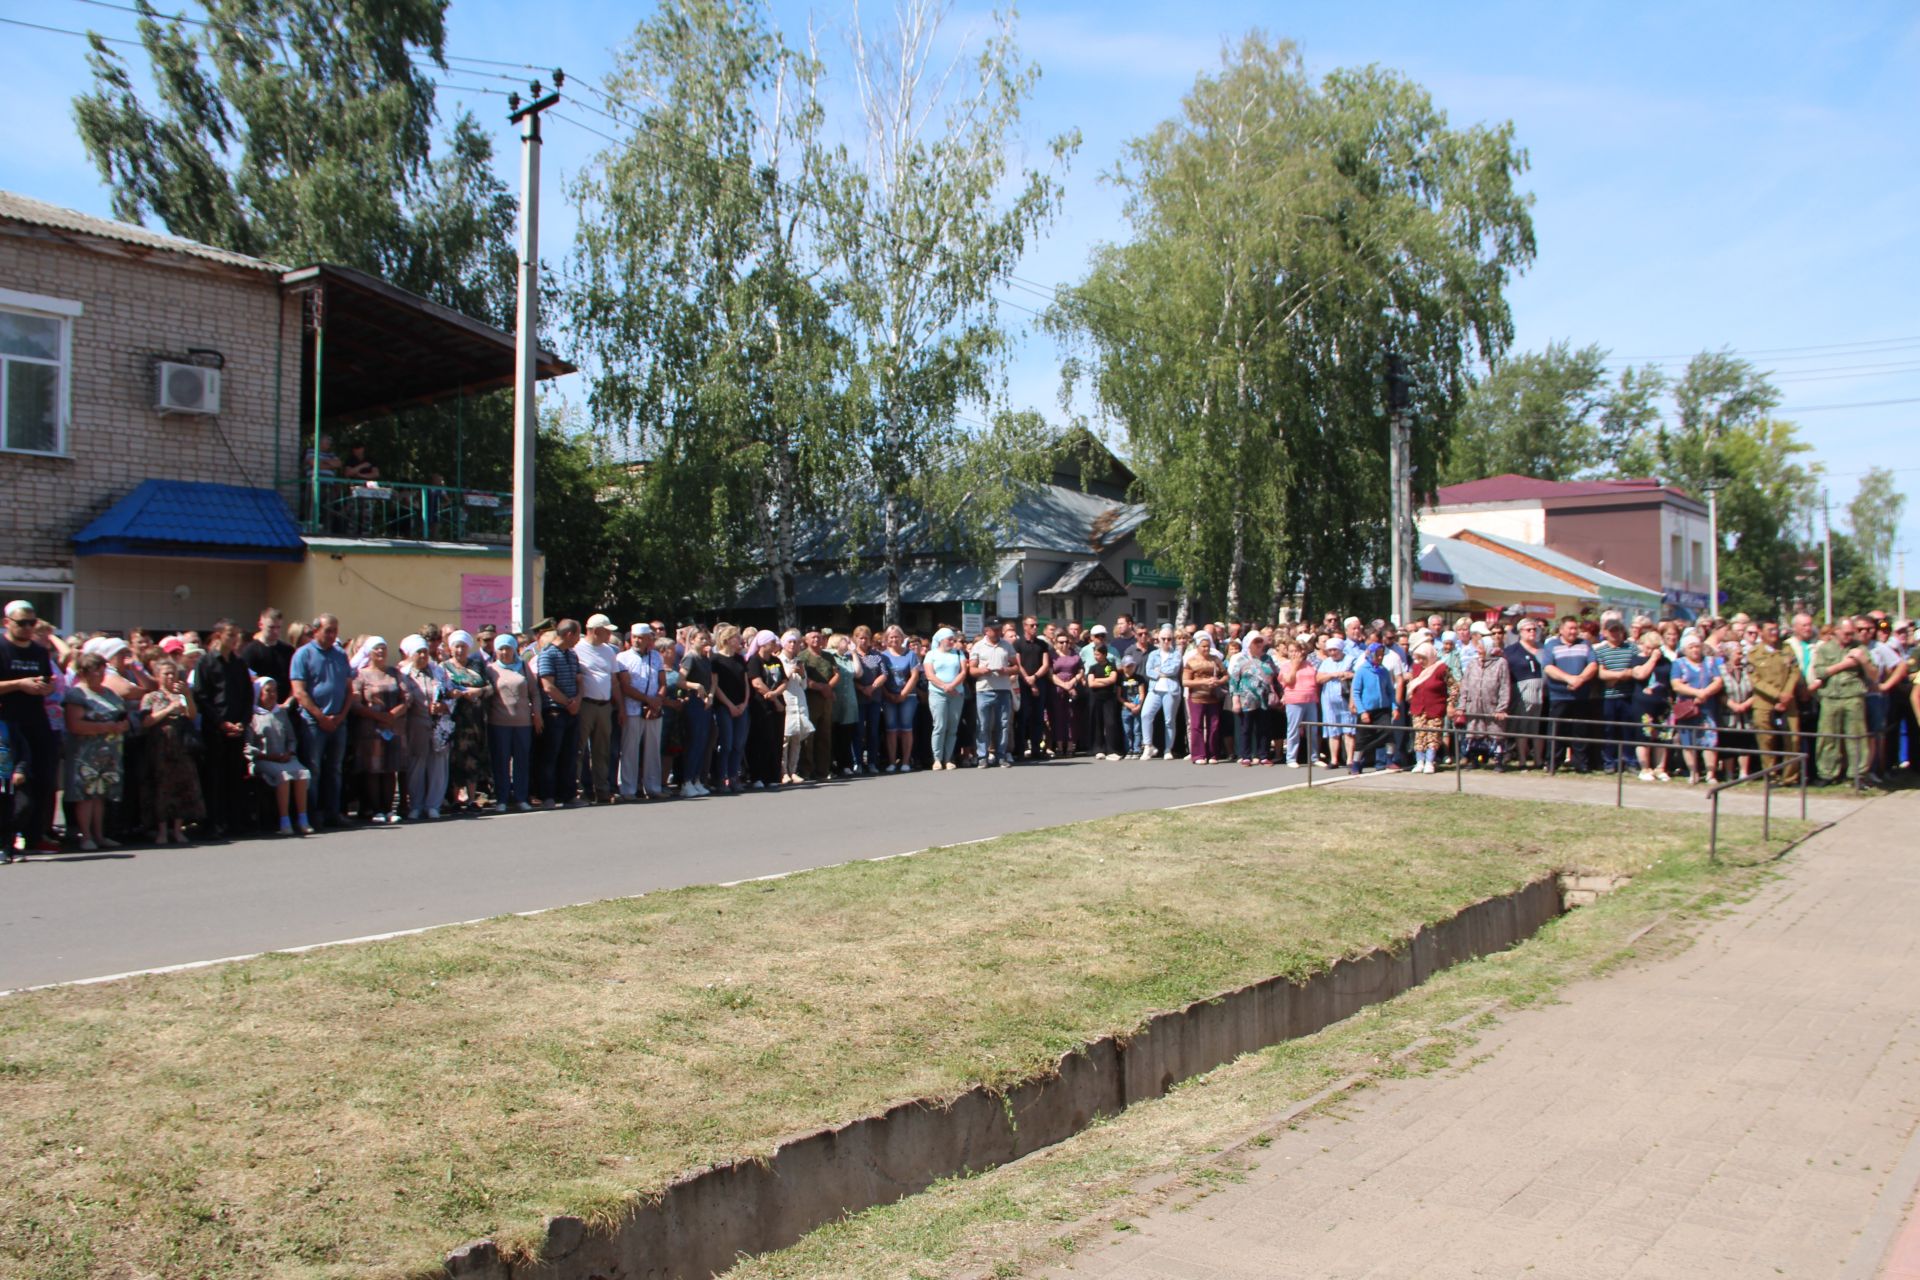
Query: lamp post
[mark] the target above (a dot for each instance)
(1712, 489)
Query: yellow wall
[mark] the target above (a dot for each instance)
(384, 592)
(163, 594)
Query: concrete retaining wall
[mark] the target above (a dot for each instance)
(702, 1223)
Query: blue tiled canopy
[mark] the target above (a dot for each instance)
(189, 518)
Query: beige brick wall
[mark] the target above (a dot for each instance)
(135, 310)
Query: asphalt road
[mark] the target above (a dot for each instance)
(79, 916)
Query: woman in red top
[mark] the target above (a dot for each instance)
(1429, 694)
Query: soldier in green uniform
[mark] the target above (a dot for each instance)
(1776, 701)
(1843, 666)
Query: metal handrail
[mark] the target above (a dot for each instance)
(430, 512)
(1766, 804)
(1712, 794)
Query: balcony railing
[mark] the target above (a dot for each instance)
(411, 512)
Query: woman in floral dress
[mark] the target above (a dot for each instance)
(171, 780)
(96, 732)
(469, 769)
(380, 709)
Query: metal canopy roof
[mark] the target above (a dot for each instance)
(387, 349)
(189, 518)
(1084, 575)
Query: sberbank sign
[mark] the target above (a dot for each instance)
(1142, 573)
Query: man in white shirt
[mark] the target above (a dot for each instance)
(598, 715)
(991, 663)
(642, 692)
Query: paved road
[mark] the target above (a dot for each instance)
(84, 916)
(1745, 1108)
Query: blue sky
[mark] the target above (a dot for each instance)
(1707, 175)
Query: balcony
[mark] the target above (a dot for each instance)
(407, 512)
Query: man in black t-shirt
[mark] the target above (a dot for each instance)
(26, 678)
(267, 654)
(1035, 658)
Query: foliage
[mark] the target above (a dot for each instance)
(1551, 414)
(1287, 238)
(696, 290)
(303, 132)
(922, 236)
(1874, 515)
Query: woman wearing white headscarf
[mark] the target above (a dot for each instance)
(946, 672)
(798, 725)
(766, 722)
(1486, 687)
(513, 717)
(429, 728)
(381, 703)
(467, 692)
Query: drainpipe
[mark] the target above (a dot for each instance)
(319, 353)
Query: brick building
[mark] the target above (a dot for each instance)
(1629, 532)
(156, 398)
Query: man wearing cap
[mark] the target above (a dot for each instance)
(558, 667)
(643, 693)
(26, 679)
(223, 687)
(991, 663)
(599, 716)
(1775, 674)
(322, 681)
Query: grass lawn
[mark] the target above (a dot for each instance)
(358, 1111)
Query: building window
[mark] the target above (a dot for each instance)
(53, 601)
(1699, 561)
(36, 340)
(1677, 568)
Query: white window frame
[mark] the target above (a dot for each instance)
(13, 588)
(65, 311)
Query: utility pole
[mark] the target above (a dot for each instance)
(1399, 458)
(1826, 538)
(526, 345)
(1713, 546)
(1900, 579)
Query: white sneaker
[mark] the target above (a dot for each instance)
(1646, 775)
(1293, 764)
(1149, 754)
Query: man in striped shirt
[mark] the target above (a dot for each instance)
(1616, 658)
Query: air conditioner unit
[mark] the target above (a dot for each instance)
(185, 388)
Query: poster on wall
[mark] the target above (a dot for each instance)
(486, 598)
(973, 617)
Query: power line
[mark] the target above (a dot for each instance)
(67, 31)
(1783, 352)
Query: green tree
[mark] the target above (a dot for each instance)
(1288, 238)
(1874, 515)
(302, 132)
(923, 234)
(696, 290)
(1552, 414)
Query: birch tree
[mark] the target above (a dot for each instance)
(698, 293)
(1288, 238)
(923, 236)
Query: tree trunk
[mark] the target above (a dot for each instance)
(890, 557)
(1185, 611)
(1237, 566)
(786, 566)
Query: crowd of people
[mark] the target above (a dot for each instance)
(106, 739)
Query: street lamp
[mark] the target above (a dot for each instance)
(1712, 489)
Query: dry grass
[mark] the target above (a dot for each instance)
(358, 1111)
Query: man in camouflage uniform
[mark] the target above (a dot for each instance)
(1776, 693)
(1843, 667)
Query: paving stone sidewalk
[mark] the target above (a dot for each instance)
(1747, 1108)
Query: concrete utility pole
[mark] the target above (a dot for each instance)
(1399, 459)
(1826, 539)
(1900, 580)
(1713, 546)
(526, 346)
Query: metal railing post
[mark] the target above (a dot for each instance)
(1620, 786)
(1803, 791)
(1713, 829)
(1313, 748)
(1459, 761)
(1766, 806)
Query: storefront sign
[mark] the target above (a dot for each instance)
(1142, 573)
(973, 618)
(1695, 600)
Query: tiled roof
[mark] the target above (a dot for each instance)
(189, 518)
(1547, 555)
(1519, 488)
(39, 213)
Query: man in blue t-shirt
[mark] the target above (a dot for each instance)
(322, 692)
(1571, 670)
